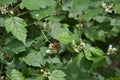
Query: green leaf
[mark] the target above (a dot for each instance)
(88, 16)
(54, 60)
(16, 46)
(115, 22)
(116, 8)
(113, 78)
(36, 4)
(101, 35)
(101, 19)
(42, 13)
(16, 26)
(75, 68)
(2, 22)
(96, 51)
(7, 2)
(62, 33)
(38, 78)
(93, 53)
(91, 33)
(56, 18)
(66, 5)
(87, 52)
(16, 75)
(36, 59)
(65, 37)
(79, 6)
(108, 61)
(56, 29)
(57, 75)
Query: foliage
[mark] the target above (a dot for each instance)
(59, 39)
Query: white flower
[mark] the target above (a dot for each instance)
(48, 51)
(104, 5)
(108, 53)
(108, 10)
(76, 49)
(111, 50)
(82, 44)
(114, 49)
(110, 46)
(51, 46)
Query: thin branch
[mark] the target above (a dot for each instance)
(22, 13)
(47, 40)
(31, 24)
(14, 7)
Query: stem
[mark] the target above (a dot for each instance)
(47, 40)
(10, 15)
(46, 30)
(22, 13)
(14, 8)
(31, 23)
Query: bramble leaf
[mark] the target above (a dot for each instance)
(36, 4)
(57, 75)
(16, 75)
(7, 2)
(36, 59)
(16, 26)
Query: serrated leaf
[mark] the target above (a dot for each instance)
(56, 29)
(16, 46)
(53, 60)
(78, 6)
(36, 59)
(57, 75)
(16, 75)
(7, 2)
(16, 26)
(88, 16)
(36, 4)
(62, 33)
